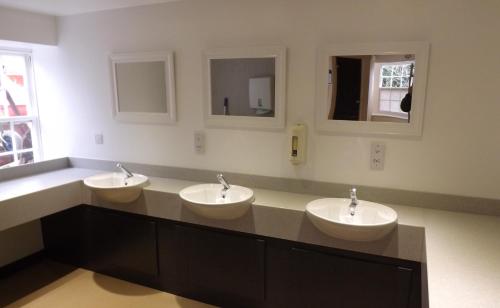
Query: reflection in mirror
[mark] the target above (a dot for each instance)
(242, 87)
(372, 88)
(144, 87)
(245, 87)
(375, 88)
(141, 87)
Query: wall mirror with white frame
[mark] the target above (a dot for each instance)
(245, 87)
(144, 87)
(372, 89)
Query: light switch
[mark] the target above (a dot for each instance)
(377, 156)
(199, 142)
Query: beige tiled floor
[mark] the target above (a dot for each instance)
(82, 288)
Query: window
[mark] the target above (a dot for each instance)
(19, 132)
(394, 84)
(395, 76)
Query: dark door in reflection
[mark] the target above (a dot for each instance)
(348, 89)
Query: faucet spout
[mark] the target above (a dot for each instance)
(225, 185)
(127, 173)
(354, 202)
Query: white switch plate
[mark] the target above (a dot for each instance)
(99, 138)
(199, 142)
(377, 156)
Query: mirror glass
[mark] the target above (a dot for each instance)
(243, 87)
(376, 88)
(144, 87)
(141, 87)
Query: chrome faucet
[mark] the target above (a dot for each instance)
(225, 185)
(354, 202)
(127, 173)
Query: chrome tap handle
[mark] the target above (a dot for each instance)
(354, 201)
(128, 174)
(223, 181)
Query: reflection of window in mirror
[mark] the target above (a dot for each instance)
(371, 87)
(392, 81)
(243, 87)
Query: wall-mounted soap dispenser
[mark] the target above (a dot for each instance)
(297, 144)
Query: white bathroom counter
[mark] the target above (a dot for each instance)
(28, 198)
(39, 182)
(463, 250)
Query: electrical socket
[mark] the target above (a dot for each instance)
(377, 156)
(199, 142)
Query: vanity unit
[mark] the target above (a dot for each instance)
(228, 268)
(271, 256)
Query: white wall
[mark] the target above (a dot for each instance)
(22, 26)
(20, 241)
(459, 152)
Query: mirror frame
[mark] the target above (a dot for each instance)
(259, 123)
(167, 57)
(343, 127)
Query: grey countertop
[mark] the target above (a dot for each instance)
(463, 250)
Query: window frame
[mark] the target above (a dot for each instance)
(378, 80)
(34, 117)
(392, 76)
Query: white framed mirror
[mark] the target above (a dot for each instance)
(245, 87)
(371, 88)
(144, 87)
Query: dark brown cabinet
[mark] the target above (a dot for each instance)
(299, 277)
(109, 242)
(123, 246)
(220, 268)
(65, 238)
(227, 268)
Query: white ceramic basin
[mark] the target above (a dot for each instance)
(372, 221)
(114, 187)
(206, 200)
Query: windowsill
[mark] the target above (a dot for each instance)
(389, 115)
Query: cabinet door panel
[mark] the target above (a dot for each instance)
(305, 278)
(169, 258)
(221, 268)
(123, 246)
(65, 238)
(327, 280)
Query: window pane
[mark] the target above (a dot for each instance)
(405, 82)
(6, 138)
(397, 70)
(396, 106)
(22, 132)
(396, 82)
(386, 70)
(394, 95)
(407, 70)
(6, 160)
(14, 91)
(25, 158)
(386, 82)
(385, 105)
(385, 94)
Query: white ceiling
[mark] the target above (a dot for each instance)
(71, 7)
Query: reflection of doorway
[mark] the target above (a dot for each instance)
(348, 89)
(349, 94)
